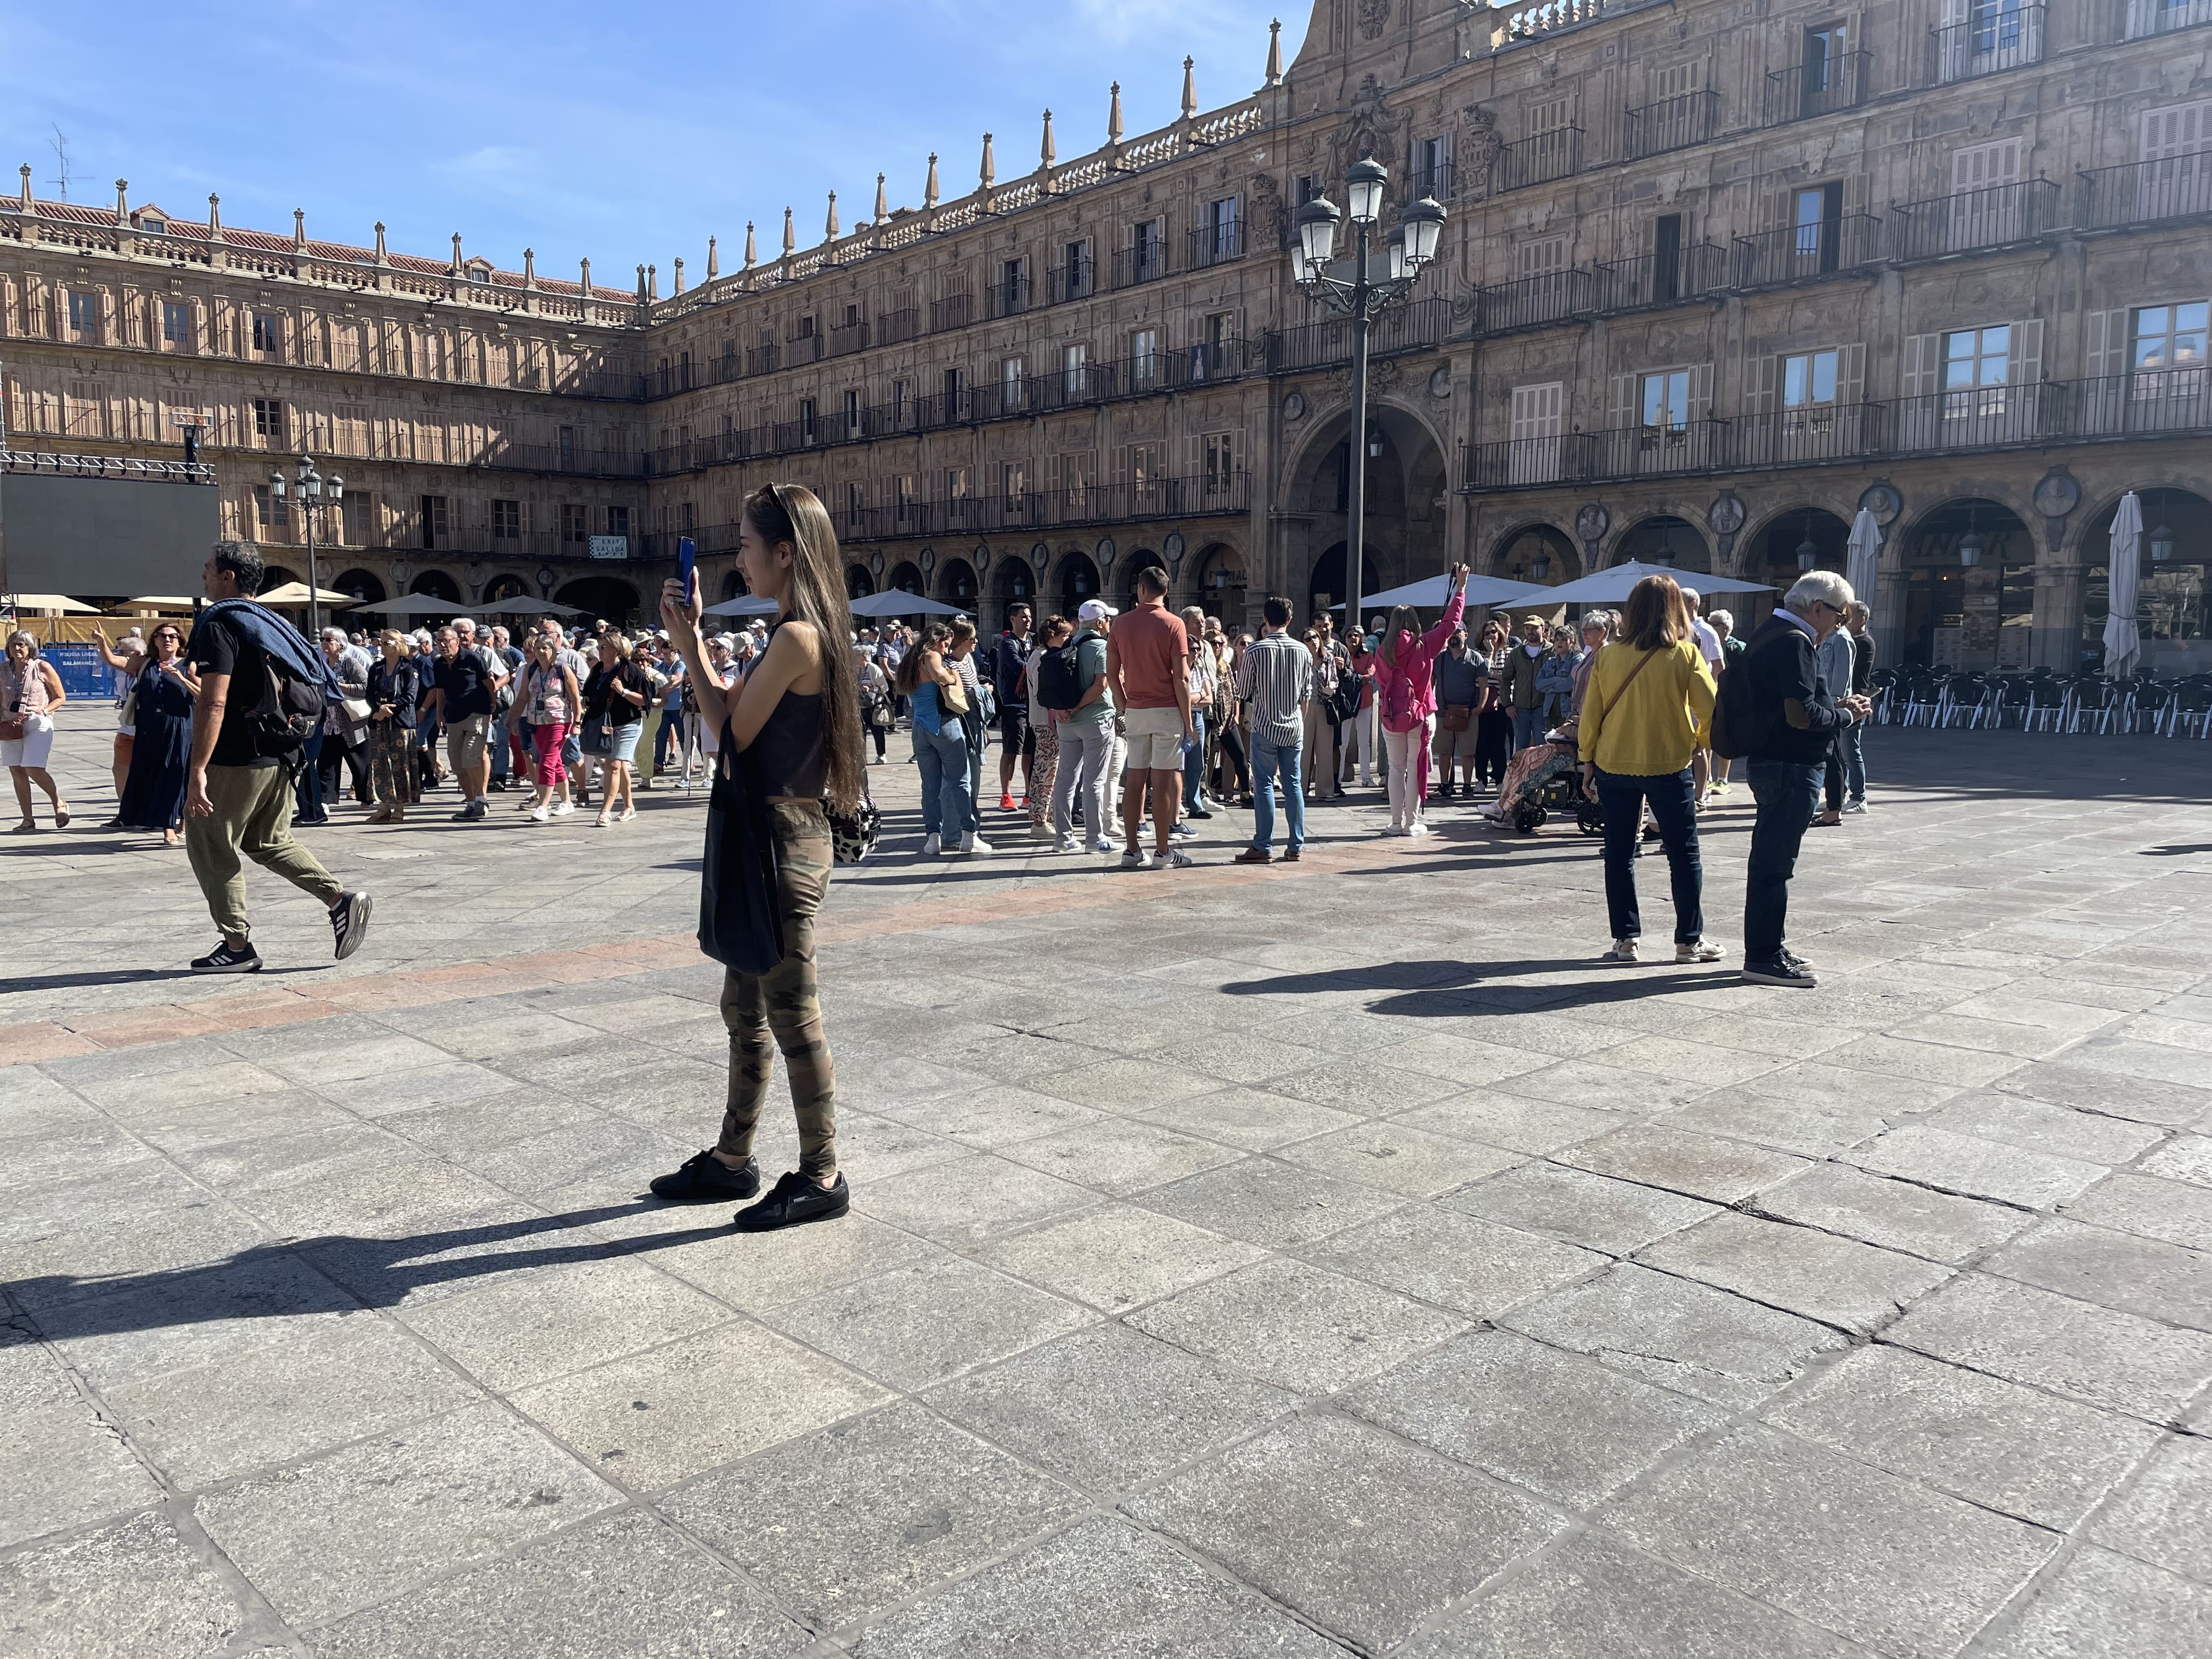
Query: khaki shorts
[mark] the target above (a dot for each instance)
(465, 741)
(1155, 738)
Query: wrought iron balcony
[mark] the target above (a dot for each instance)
(953, 311)
(564, 458)
(2148, 17)
(1527, 463)
(1993, 217)
(1539, 158)
(2145, 404)
(1981, 417)
(1076, 280)
(2171, 187)
(806, 347)
(1008, 296)
(1651, 279)
(1806, 436)
(847, 337)
(1535, 301)
(1041, 509)
(1796, 251)
(897, 327)
(1412, 327)
(1215, 244)
(1672, 123)
(1998, 35)
(764, 359)
(1436, 182)
(1817, 88)
(1147, 262)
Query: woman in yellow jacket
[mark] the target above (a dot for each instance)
(1649, 707)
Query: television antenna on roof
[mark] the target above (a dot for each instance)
(60, 148)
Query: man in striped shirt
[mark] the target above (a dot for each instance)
(1276, 682)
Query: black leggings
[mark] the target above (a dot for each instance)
(1493, 744)
(1232, 758)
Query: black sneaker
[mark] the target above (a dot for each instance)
(497, 786)
(795, 1198)
(1199, 812)
(706, 1179)
(349, 921)
(1795, 974)
(224, 960)
(1792, 957)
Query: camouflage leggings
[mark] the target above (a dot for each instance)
(784, 1002)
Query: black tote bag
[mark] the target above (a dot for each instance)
(740, 925)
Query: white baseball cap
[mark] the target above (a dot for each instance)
(1092, 611)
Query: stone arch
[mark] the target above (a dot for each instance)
(1222, 582)
(1136, 559)
(506, 585)
(610, 597)
(1515, 556)
(906, 577)
(958, 584)
(2171, 595)
(1966, 616)
(1664, 538)
(1077, 579)
(1405, 524)
(1326, 582)
(274, 576)
(436, 585)
(366, 585)
(858, 583)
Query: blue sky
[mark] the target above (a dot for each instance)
(613, 132)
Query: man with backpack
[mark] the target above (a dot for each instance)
(263, 691)
(469, 685)
(1073, 691)
(1010, 668)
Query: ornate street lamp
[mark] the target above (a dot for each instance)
(314, 495)
(1361, 286)
(2161, 544)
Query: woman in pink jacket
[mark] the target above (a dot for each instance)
(1406, 694)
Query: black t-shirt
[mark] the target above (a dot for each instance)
(466, 683)
(219, 646)
(600, 699)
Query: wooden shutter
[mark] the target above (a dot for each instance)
(1923, 364)
(1620, 408)
(1762, 385)
(1124, 464)
(1536, 409)
(1701, 392)
(2180, 130)
(2108, 343)
(1986, 166)
(2024, 364)
(1851, 373)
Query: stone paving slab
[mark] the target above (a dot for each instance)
(1325, 1259)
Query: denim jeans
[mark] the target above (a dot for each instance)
(1788, 795)
(1193, 764)
(1670, 793)
(1528, 727)
(670, 736)
(1079, 788)
(948, 791)
(1852, 743)
(1267, 758)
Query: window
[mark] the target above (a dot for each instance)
(1432, 168)
(1144, 355)
(506, 521)
(269, 422)
(956, 483)
(568, 445)
(1817, 218)
(1541, 256)
(1976, 358)
(1147, 250)
(1218, 236)
(953, 384)
(1824, 62)
(359, 513)
(268, 334)
(1665, 399)
(575, 525)
(1667, 257)
(1809, 381)
(1014, 482)
(435, 522)
(1075, 276)
(1010, 383)
(1074, 369)
(270, 512)
(806, 416)
(84, 313)
(1078, 472)
(856, 506)
(618, 521)
(1308, 187)
(852, 412)
(906, 491)
(2166, 351)
(1533, 455)
(176, 323)
(1219, 474)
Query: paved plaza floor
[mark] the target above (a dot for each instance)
(1323, 1259)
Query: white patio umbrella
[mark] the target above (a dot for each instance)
(1430, 592)
(54, 605)
(2123, 639)
(1864, 556)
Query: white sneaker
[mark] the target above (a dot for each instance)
(1176, 859)
(540, 815)
(1102, 845)
(1396, 830)
(972, 843)
(1136, 858)
(1856, 803)
(1417, 827)
(564, 809)
(931, 847)
(1698, 950)
(1624, 949)
(1067, 844)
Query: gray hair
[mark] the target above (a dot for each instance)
(422, 636)
(1817, 588)
(1690, 598)
(337, 634)
(1723, 620)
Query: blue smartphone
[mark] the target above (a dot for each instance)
(687, 558)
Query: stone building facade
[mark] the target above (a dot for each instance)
(1717, 275)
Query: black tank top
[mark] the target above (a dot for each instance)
(790, 749)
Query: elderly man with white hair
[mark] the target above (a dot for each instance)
(1784, 713)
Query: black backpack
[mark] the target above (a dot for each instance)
(1059, 679)
(1735, 722)
(288, 713)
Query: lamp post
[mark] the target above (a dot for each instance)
(1361, 286)
(314, 495)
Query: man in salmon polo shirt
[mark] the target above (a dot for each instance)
(1148, 665)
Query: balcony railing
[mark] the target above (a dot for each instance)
(1672, 123)
(897, 327)
(1523, 463)
(1820, 88)
(1434, 182)
(953, 311)
(564, 458)
(1086, 504)
(1651, 279)
(1794, 252)
(763, 359)
(1539, 158)
(1009, 296)
(1147, 262)
(2148, 17)
(2145, 402)
(1806, 436)
(1409, 327)
(1981, 417)
(1653, 452)
(1993, 217)
(1533, 301)
(1997, 35)
(1076, 280)
(1215, 244)
(2171, 187)
(846, 337)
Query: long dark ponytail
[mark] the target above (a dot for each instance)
(792, 513)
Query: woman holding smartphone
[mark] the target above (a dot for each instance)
(797, 712)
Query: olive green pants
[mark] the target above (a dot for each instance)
(784, 1003)
(253, 817)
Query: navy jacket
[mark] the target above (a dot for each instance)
(1794, 717)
